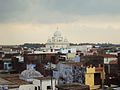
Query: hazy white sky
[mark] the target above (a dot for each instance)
(94, 21)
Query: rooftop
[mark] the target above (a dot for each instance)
(44, 78)
(73, 86)
(11, 80)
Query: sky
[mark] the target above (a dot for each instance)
(81, 21)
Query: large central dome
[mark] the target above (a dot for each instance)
(57, 34)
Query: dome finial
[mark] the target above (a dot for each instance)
(57, 28)
(57, 33)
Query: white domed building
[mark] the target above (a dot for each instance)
(57, 42)
(30, 74)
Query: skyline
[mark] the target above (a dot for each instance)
(88, 21)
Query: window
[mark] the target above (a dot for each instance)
(38, 87)
(97, 79)
(69, 51)
(9, 65)
(5, 66)
(49, 88)
(35, 88)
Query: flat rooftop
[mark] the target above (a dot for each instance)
(73, 86)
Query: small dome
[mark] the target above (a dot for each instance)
(65, 40)
(49, 40)
(29, 74)
(57, 34)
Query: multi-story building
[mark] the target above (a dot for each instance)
(57, 42)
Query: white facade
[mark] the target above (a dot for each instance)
(108, 60)
(45, 84)
(57, 42)
(40, 84)
(82, 48)
(29, 87)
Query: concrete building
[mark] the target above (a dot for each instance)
(82, 48)
(69, 72)
(11, 82)
(29, 87)
(45, 83)
(108, 58)
(94, 77)
(42, 83)
(95, 60)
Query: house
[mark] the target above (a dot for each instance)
(41, 57)
(10, 63)
(95, 60)
(29, 87)
(94, 76)
(109, 57)
(45, 83)
(41, 83)
(11, 81)
(69, 72)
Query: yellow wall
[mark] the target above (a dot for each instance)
(89, 76)
(89, 79)
(71, 55)
(90, 70)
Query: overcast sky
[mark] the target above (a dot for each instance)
(33, 21)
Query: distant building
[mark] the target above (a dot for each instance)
(109, 57)
(95, 60)
(57, 42)
(82, 48)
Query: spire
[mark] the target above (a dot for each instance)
(57, 28)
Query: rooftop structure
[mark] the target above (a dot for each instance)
(11, 81)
